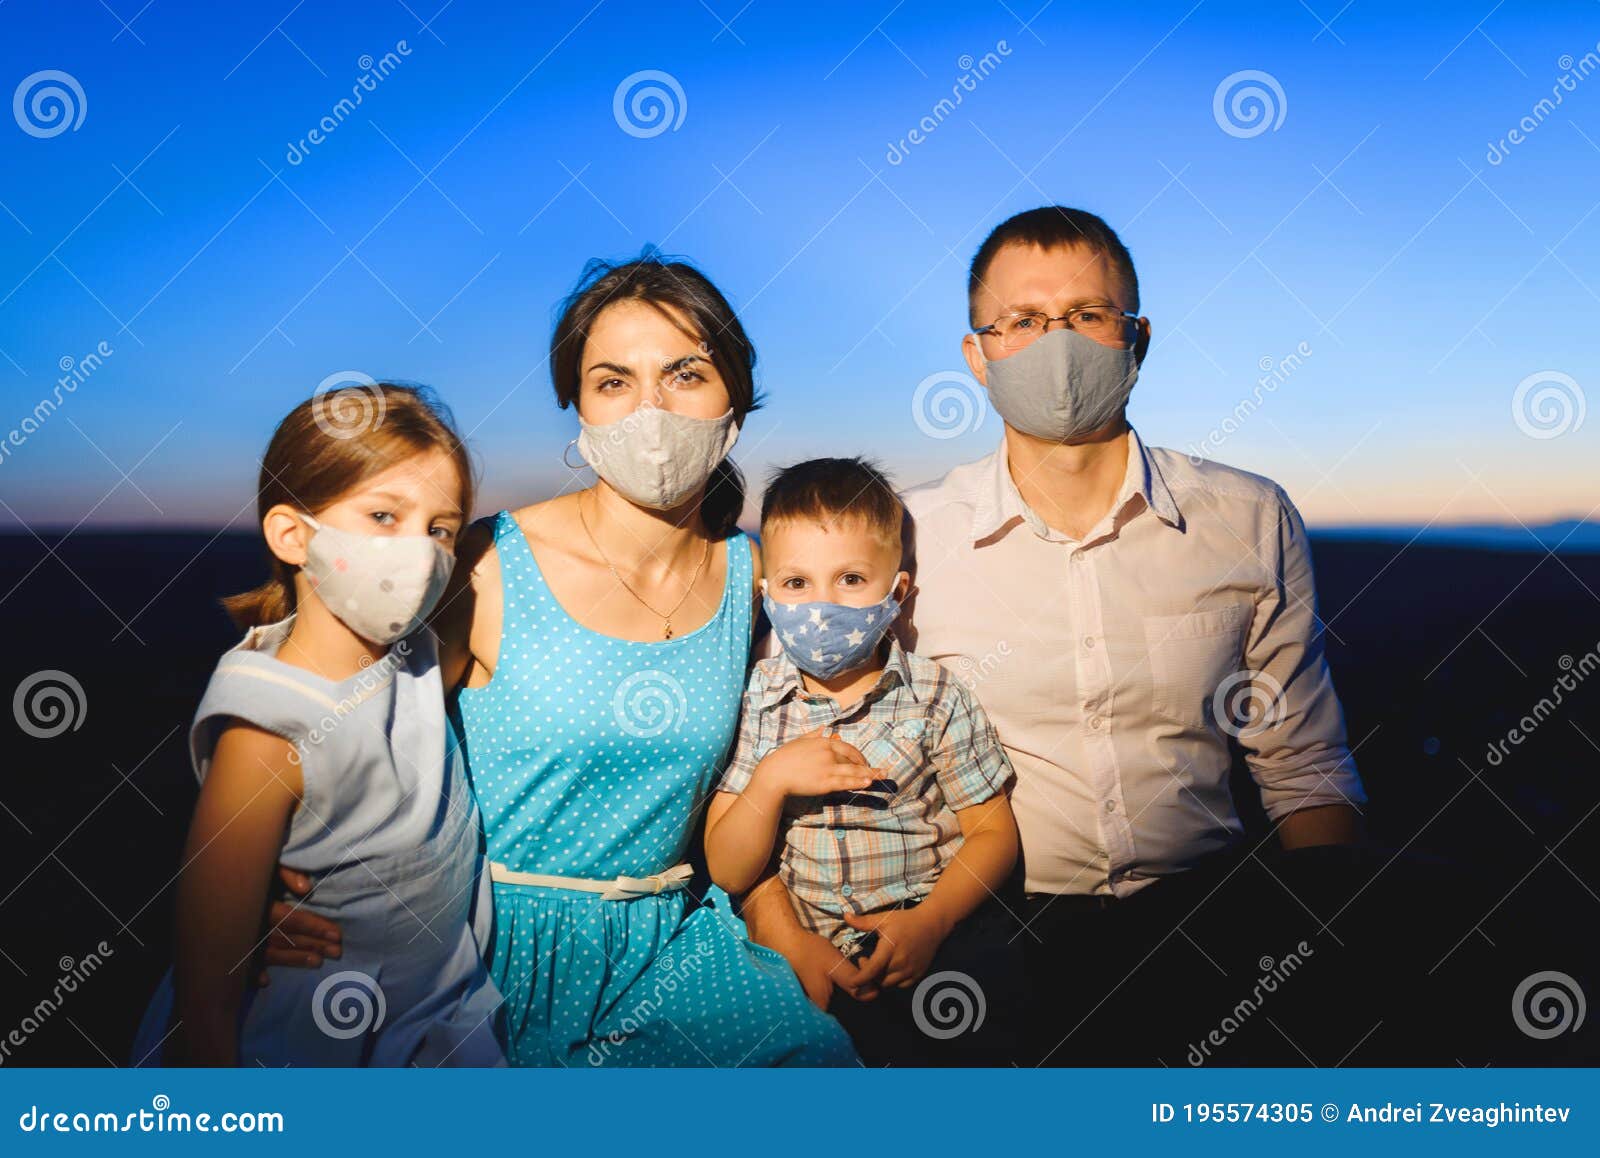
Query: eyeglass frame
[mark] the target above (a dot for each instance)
(1126, 315)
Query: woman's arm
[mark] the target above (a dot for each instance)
(234, 841)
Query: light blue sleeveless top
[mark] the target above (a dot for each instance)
(590, 755)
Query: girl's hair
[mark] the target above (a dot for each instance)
(668, 285)
(329, 445)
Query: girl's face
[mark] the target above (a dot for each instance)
(419, 496)
(639, 354)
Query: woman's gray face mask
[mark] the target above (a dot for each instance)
(1062, 386)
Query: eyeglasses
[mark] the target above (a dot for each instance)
(1104, 323)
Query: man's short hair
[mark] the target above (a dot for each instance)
(1052, 227)
(832, 490)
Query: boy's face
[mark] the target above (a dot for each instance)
(810, 561)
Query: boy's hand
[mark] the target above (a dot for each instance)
(815, 764)
(820, 966)
(907, 941)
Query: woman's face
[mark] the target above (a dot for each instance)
(640, 354)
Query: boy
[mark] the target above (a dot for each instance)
(877, 776)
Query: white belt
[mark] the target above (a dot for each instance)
(621, 889)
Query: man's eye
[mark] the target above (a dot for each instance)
(1025, 322)
(1091, 317)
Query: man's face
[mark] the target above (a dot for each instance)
(1052, 281)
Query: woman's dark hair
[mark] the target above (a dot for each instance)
(683, 294)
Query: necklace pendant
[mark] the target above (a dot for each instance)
(666, 629)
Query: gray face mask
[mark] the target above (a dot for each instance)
(1062, 386)
(657, 458)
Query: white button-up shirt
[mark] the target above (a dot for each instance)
(1118, 667)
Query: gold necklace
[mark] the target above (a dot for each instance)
(666, 619)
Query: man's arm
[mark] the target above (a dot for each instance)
(1296, 750)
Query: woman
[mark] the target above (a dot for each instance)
(600, 645)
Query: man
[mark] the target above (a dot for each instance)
(1125, 616)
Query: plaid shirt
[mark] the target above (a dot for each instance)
(867, 851)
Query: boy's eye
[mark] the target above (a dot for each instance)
(794, 583)
(851, 579)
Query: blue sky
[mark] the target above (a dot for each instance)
(428, 236)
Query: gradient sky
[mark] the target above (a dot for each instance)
(428, 237)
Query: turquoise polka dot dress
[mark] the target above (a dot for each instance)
(592, 756)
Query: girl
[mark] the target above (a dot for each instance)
(322, 741)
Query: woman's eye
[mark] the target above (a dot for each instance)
(383, 518)
(686, 377)
(610, 385)
(444, 534)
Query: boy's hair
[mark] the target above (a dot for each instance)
(1054, 227)
(329, 445)
(829, 490)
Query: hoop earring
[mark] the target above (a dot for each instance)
(572, 466)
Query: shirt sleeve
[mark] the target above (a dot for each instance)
(969, 763)
(1295, 743)
(736, 777)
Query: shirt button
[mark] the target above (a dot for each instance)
(846, 890)
(1095, 722)
(1111, 806)
(839, 834)
(1088, 642)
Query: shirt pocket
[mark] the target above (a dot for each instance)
(897, 747)
(1190, 656)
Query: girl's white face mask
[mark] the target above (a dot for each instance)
(657, 458)
(382, 587)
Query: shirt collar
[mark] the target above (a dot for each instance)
(998, 502)
(785, 680)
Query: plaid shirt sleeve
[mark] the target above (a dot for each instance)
(969, 763)
(736, 778)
